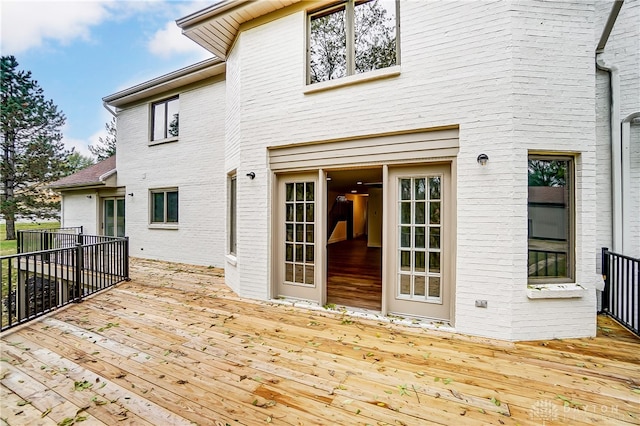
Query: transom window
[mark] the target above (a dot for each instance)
(164, 206)
(419, 233)
(165, 117)
(300, 233)
(551, 218)
(352, 37)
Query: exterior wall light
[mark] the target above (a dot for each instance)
(482, 159)
(251, 175)
(88, 196)
(130, 194)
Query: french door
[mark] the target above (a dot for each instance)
(420, 215)
(113, 217)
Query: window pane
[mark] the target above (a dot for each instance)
(299, 191)
(289, 237)
(405, 261)
(308, 274)
(299, 253)
(108, 217)
(289, 212)
(158, 121)
(299, 273)
(120, 218)
(299, 233)
(289, 253)
(310, 215)
(375, 35)
(232, 215)
(309, 254)
(328, 46)
(158, 207)
(288, 275)
(172, 207)
(310, 233)
(434, 237)
(550, 215)
(434, 262)
(300, 212)
(173, 111)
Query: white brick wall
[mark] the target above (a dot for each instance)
(515, 76)
(78, 210)
(194, 164)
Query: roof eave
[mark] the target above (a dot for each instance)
(191, 74)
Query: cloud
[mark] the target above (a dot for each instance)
(29, 24)
(81, 146)
(169, 41)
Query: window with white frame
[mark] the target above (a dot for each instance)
(165, 119)
(233, 238)
(352, 37)
(164, 206)
(550, 219)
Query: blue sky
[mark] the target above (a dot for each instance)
(80, 51)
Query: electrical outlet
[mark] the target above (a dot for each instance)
(481, 303)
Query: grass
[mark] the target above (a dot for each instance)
(8, 247)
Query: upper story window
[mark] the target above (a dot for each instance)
(165, 119)
(352, 37)
(551, 219)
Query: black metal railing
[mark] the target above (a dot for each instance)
(621, 295)
(46, 239)
(36, 283)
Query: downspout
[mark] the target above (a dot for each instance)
(616, 148)
(626, 178)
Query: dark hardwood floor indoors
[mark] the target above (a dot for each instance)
(354, 276)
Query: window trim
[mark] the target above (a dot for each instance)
(152, 121)
(534, 282)
(164, 224)
(349, 6)
(232, 222)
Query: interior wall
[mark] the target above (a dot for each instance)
(374, 216)
(359, 214)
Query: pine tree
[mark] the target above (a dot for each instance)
(33, 154)
(106, 147)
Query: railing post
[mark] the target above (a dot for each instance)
(126, 258)
(77, 288)
(606, 278)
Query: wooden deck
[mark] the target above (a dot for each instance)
(175, 347)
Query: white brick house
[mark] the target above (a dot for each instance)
(264, 147)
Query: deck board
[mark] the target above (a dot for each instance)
(176, 346)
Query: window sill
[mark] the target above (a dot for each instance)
(353, 79)
(231, 259)
(161, 141)
(163, 226)
(555, 291)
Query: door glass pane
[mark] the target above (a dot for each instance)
(405, 189)
(434, 286)
(299, 232)
(420, 216)
(310, 233)
(310, 212)
(405, 284)
(289, 232)
(434, 237)
(299, 191)
(420, 189)
(289, 252)
(299, 229)
(299, 212)
(405, 213)
(419, 239)
(289, 191)
(419, 265)
(289, 212)
(310, 191)
(434, 262)
(120, 231)
(308, 274)
(109, 218)
(419, 285)
(309, 253)
(434, 212)
(405, 236)
(405, 261)
(288, 274)
(434, 188)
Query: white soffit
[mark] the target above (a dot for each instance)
(216, 27)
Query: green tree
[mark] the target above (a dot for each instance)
(547, 173)
(106, 147)
(77, 162)
(33, 154)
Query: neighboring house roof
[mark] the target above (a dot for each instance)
(92, 176)
(191, 74)
(216, 27)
